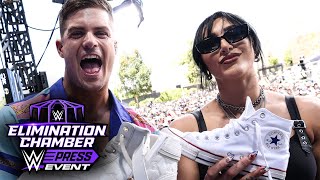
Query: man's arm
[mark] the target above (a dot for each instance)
(11, 162)
(140, 121)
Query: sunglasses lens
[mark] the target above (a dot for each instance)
(236, 34)
(233, 35)
(208, 45)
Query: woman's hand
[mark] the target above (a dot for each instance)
(219, 171)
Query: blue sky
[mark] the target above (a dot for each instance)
(169, 25)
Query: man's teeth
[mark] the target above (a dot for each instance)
(91, 57)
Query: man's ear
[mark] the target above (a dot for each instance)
(59, 48)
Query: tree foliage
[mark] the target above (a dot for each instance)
(134, 76)
(193, 74)
(288, 60)
(170, 95)
(273, 61)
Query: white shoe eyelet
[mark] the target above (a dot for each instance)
(230, 154)
(121, 135)
(254, 122)
(125, 129)
(300, 130)
(206, 137)
(303, 137)
(227, 136)
(113, 150)
(237, 133)
(246, 128)
(262, 115)
(216, 137)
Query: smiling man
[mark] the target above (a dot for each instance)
(88, 48)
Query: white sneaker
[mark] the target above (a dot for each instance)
(128, 155)
(255, 131)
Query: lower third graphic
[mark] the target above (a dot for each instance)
(57, 138)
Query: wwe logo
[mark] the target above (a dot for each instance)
(57, 115)
(33, 160)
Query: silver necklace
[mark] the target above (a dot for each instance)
(230, 114)
(228, 109)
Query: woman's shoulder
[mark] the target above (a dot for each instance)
(308, 100)
(185, 123)
(309, 106)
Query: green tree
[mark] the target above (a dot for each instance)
(134, 76)
(170, 95)
(118, 93)
(288, 60)
(193, 73)
(273, 61)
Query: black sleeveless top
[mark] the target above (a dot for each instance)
(302, 163)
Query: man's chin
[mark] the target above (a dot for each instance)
(92, 86)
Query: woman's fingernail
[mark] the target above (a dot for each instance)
(253, 155)
(263, 170)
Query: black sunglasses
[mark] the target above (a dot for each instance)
(212, 43)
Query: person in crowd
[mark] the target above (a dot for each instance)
(225, 47)
(88, 47)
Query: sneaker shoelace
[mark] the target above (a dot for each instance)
(261, 147)
(234, 124)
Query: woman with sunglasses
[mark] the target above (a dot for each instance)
(225, 47)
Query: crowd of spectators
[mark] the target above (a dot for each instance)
(162, 114)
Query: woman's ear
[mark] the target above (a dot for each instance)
(59, 48)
